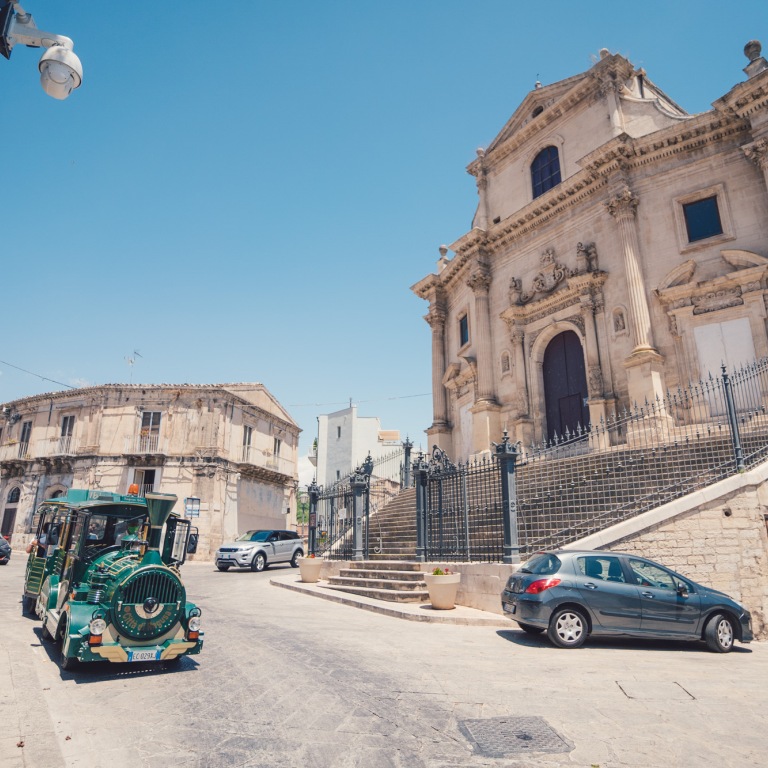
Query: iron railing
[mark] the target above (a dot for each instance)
(597, 476)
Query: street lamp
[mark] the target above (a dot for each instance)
(60, 69)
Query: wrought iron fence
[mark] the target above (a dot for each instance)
(340, 515)
(597, 476)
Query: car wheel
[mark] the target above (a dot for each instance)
(720, 633)
(567, 628)
(295, 559)
(45, 634)
(259, 562)
(27, 605)
(223, 567)
(530, 629)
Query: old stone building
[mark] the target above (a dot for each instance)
(619, 248)
(228, 451)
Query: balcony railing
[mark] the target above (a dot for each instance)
(144, 444)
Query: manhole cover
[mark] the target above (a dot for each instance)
(502, 736)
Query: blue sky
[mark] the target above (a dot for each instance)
(246, 191)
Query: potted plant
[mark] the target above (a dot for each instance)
(443, 584)
(309, 568)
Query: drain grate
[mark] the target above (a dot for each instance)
(502, 736)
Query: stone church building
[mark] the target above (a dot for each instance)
(619, 249)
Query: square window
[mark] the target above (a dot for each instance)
(463, 330)
(702, 219)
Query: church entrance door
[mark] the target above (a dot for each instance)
(565, 385)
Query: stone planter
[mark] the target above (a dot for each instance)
(309, 568)
(443, 589)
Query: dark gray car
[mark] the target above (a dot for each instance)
(5, 551)
(573, 594)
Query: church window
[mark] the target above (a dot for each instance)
(463, 330)
(702, 219)
(545, 171)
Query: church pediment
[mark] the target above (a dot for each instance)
(533, 105)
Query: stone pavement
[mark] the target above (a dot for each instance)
(288, 680)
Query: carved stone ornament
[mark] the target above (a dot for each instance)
(551, 274)
(714, 300)
(757, 152)
(436, 318)
(595, 381)
(623, 204)
(586, 258)
(479, 281)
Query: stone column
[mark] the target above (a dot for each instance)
(436, 319)
(623, 208)
(480, 283)
(521, 383)
(645, 365)
(595, 383)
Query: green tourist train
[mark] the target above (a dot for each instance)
(103, 575)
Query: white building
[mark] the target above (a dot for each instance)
(345, 439)
(229, 450)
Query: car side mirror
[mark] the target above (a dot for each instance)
(682, 590)
(192, 544)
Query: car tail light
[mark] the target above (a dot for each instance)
(193, 634)
(94, 640)
(540, 585)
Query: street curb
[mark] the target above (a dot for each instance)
(460, 615)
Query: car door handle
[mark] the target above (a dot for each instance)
(591, 585)
(649, 595)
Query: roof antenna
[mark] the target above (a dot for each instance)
(538, 84)
(131, 362)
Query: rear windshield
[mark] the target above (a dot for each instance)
(543, 564)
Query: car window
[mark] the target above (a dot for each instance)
(649, 575)
(289, 535)
(544, 564)
(260, 536)
(601, 567)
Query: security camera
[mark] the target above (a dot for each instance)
(60, 71)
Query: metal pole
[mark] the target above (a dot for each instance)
(358, 483)
(314, 495)
(406, 480)
(506, 454)
(420, 467)
(733, 421)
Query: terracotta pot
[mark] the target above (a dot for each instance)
(443, 589)
(309, 568)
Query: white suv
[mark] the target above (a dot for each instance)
(258, 550)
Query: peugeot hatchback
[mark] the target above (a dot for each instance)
(571, 595)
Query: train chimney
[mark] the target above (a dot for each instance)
(159, 506)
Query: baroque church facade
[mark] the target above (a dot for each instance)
(619, 250)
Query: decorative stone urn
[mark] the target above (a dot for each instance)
(442, 589)
(309, 568)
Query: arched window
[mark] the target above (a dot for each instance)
(545, 171)
(13, 496)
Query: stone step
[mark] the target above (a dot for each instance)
(390, 595)
(384, 565)
(383, 574)
(390, 585)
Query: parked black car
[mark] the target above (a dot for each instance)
(5, 551)
(573, 594)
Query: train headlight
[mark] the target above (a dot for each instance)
(194, 624)
(97, 626)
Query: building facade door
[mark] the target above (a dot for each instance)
(565, 385)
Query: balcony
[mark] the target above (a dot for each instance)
(144, 444)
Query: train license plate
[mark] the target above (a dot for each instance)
(152, 655)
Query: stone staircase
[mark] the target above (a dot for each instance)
(393, 580)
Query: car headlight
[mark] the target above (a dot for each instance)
(97, 626)
(194, 623)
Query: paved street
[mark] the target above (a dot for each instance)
(287, 679)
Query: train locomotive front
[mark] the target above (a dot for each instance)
(122, 601)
